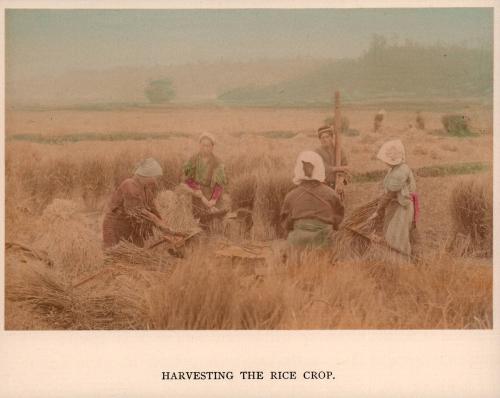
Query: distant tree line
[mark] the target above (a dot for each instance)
(408, 70)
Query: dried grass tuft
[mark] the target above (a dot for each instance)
(269, 197)
(243, 190)
(472, 213)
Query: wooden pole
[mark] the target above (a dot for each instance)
(338, 137)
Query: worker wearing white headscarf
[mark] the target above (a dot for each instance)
(131, 212)
(312, 210)
(149, 168)
(208, 136)
(318, 170)
(399, 204)
(205, 180)
(392, 152)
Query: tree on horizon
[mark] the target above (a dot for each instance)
(160, 91)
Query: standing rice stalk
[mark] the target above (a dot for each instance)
(270, 194)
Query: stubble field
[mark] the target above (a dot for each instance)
(62, 165)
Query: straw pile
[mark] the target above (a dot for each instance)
(420, 121)
(175, 208)
(40, 289)
(67, 238)
(115, 299)
(472, 214)
(457, 125)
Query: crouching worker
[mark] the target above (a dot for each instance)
(131, 213)
(205, 179)
(312, 210)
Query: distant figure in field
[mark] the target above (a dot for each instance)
(377, 121)
(205, 179)
(399, 205)
(420, 121)
(312, 210)
(131, 213)
(327, 153)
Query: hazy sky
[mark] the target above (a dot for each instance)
(38, 41)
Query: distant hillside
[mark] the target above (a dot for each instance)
(192, 82)
(406, 71)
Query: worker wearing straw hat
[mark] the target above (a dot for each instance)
(312, 210)
(205, 179)
(399, 204)
(131, 212)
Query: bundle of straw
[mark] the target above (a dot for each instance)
(353, 237)
(127, 253)
(118, 303)
(176, 209)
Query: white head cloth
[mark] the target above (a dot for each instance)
(149, 168)
(318, 173)
(392, 152)
(208, 136)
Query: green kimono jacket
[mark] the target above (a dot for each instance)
(206, 173)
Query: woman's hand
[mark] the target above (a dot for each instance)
(198, 194)
(212, 203)
(339, 189)
(205, 201)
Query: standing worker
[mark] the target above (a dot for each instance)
(335, 176)
(131, 212)
(420, 121)
(312, 210)
(399, 205)
(377, 120)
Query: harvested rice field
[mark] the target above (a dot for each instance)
(62, 166)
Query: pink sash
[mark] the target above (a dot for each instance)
(416, 206)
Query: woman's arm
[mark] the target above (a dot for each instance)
(216, 193)
(191, 183)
